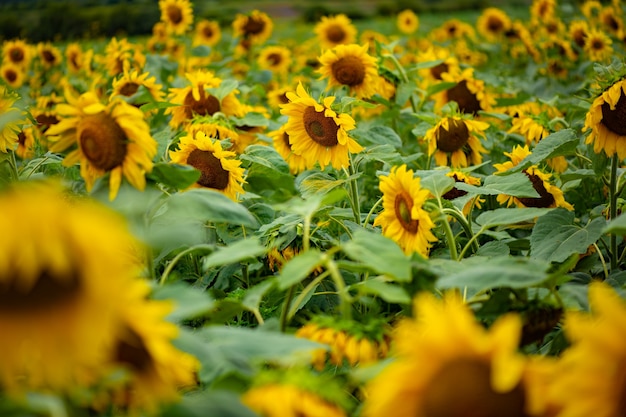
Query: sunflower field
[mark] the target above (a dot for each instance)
(415, 215)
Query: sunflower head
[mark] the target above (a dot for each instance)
(13, 119)
(207, 32)
(177, 15)
(407, 21)
(219, 169)
(335, 30)
(17, 52)
(456, 140)
(403, 218)
(255, 27)
(275, 58)
(350, 66)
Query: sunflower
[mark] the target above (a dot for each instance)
(12, 75)
(75, 57)
(350, 66)
(448, 364)
(213, 128)
(591, 375)
(456, 141)
(604, 118)
(610, 18)
(277, 95)
(296, 392)
(128, 84)
(13, 119)
(455, 193)
(275, 58)
(280, 140)
(60, 283)
(207, 32)
(493, 23)
(351, 342)
(469, 93)
(26, 143)
(407, 21)
(177, 15)
(254, 28)
(549, 194)
(49, 55)
(453, 29)
(17, 52)
(540, 10)
(598, 46)
(578, 32)
(403, 218)
(433, 74)
(121, 55)
(154, 370)
(44, 112)
(591, 9)
(317, 132)
(111, 138)
(196, 99)
(335, 30)
(219, 169)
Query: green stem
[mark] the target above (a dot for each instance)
(613, 210)
(304, 293)
(13, 164)
(354, 194)
(604, 268)
(283, 314)
(371, 212)
(443, 219)
(345, 301)
(464, 224)
(178, 257)
(470, 243)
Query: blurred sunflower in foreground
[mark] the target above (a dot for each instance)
(13, 119)
(447, 364)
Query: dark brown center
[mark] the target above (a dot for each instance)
(454, 192)
(207, 31)
(454, 138)
(320, 128)
(615, 120)
(49, 56)
(402, 207)
(16, 55)
(46, 292)
(349, 71)
(275, 59)
(210, 167)
(45, 121)
(597, 45)
(174, 14)
(335, 34)
(253, 26)
(437, 70)
(132, 352)
(102, 141)
(579, 37)
(467, 101)
(495, 24)
(544, 200)
(462, 388)
(207, 105)
(10, 75)
(129, 89)
(286, 140)
(21, 138)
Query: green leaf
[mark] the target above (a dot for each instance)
(480, 274)
(438, 183)
(494, 248)
(563, 142)
(226, 87)
(254, 296)
(235, 252)
(404, 91)
(188, 301)
(516, 185)
(389, 292)
(617, 226)
(439, 87)
(207, 205)
(251, 119)
(299, 267)
(507, 216)
(174, 175)
(223, 403)
(424, 65)
(378, 135)
(379, 253)
(555, 237)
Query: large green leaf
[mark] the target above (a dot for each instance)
(481, 273)
(555, 237)
(235, 252)
(438, 183)
(516, 185)
(299, 267)
(390, 292)
(188, 302)
(223, 403)
(507, 216)
(174, 175)
(563, 142)
(207, 205)
(381, 254)
(617, 226)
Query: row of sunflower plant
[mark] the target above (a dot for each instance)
(416, 217)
